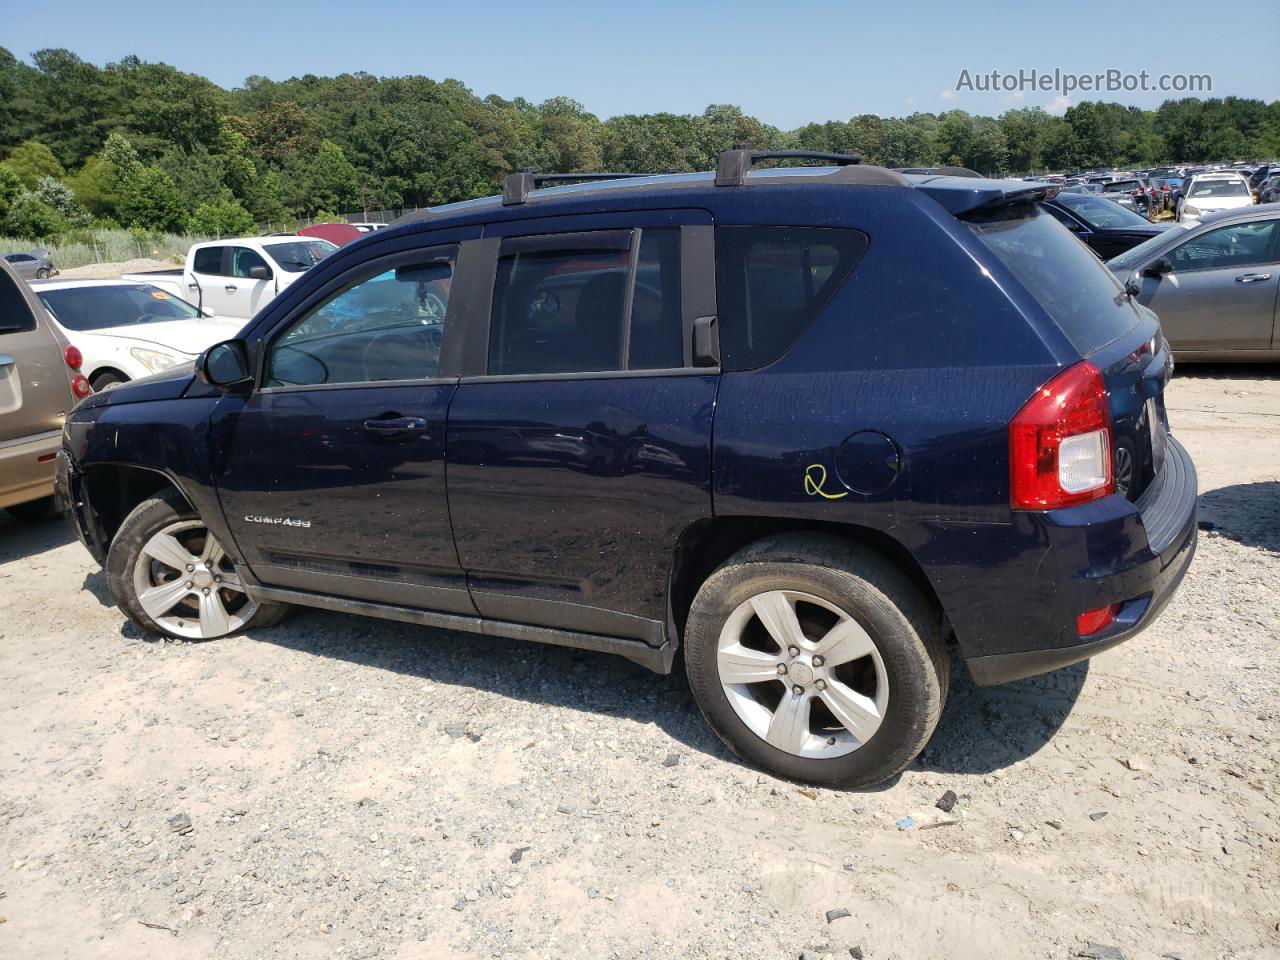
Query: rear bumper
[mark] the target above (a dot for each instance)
(1143, 581)
(26, 468)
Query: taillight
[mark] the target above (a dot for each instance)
(1060, 443)
(73, 357)
(80, 386)
(1091, 621)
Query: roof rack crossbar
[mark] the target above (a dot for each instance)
(734, 165)
(516, 187)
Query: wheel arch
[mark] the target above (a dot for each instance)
(705, 545)
(112, 491)
(107, 368)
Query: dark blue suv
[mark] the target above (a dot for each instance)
(813, 425)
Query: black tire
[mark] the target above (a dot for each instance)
(905, 627)
(107, 378)
(42, 273)
(33, 511)
(147, 519)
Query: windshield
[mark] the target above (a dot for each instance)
(1136, 255)
(1101, 214)
(1081, 295)
(1219, 188)
(299, 255)
(86, 309)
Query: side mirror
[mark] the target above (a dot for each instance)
(224, 364)
(1158, 268)
(259, 273)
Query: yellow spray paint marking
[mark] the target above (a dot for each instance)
(815, 475)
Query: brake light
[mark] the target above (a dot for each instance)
(73, 358)
(1060, 443)
(80, 386)
(1091, 621)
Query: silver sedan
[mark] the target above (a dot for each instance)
(31, 266)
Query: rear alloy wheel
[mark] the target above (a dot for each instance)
(170, 574)
(42, 273)
(817, 659)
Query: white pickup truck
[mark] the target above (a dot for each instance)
(238, 277)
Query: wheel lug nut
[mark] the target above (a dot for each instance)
(189, 584)
(793, 651)
(818, 661)
(191, 568)
(820, 684)
(205, 591)
(782, 669)
(797, 689)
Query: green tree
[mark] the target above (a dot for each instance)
(10, 189)
(150, 200)
(32, 160)
(31, 218)
(60, 197)
(227, 219)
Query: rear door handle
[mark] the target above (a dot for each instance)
(1252, 277)
(230, 288)
(397, 427)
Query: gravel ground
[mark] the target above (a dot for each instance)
(348, 788)
(105, 271)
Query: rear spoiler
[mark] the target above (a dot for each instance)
(965, 195)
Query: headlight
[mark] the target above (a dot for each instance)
(154, 360)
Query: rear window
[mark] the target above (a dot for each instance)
(772, 281)
(1066, 279)
(15, 314)
(1203, 189)
(208, 260)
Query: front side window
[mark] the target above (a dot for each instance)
(389, 326)
(208, 260)
(573, 306)
(771, 282)
(1241, 245)
(244, 259)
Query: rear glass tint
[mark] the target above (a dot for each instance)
(15, 314)
(772, 281)
(1080, 294)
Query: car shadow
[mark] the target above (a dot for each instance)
(1246, 512)
(984, 729)
(1186, 370)
(20, 539)
(579, 680)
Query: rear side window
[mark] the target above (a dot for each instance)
(15, 314)
(770, 284)
(208, 260)
(1080, 294)
(574, 305)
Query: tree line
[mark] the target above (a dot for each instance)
(147, 146)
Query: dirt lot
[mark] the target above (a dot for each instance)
(350, 788)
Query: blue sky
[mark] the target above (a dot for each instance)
(787, 63)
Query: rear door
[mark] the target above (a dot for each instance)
(35, 391)
(207, 281)
(579, 443)
(1221, 294)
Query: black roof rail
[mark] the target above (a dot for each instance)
(733, 165)
(516, 187)
(943, 171)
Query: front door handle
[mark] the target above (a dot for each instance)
(230, 288)
(1252, 277)
(397, 427)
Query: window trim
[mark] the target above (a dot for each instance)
(1273, 254)
(367, 270)
(696, 249)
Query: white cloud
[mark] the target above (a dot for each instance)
(911, 101)
(1058, 105)
(1016, 97)
(949, 94)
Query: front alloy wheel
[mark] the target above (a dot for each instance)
(185, 582)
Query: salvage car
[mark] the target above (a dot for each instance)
(127, 330)
(1108, 228)
(772, 417)
(1214, 284)
(40, 381)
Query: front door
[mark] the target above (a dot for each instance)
(331, 472)
(1221, 294)
(580, 449)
